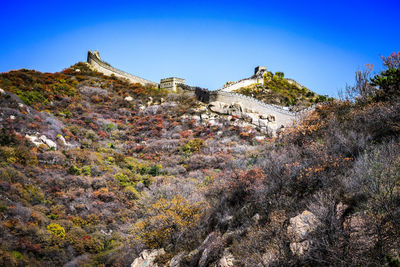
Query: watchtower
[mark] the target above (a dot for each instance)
(259, 70)
(171, 83)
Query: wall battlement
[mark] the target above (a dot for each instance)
(99, 65)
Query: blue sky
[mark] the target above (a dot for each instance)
(319, 43)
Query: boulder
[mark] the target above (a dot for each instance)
(50, 143)
(227, 260)
(298, 229)
(218, 107)
(147, 258)
(62, 139)
(128, 98)
(204, 116)
(176, 260)
(270, 256)
(34, 139)
(260, 138)
(262, 123)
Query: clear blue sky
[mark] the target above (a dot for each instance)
(319, 43)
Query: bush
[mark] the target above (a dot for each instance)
(280, 74)
(86, 170)
(56, 230)
(192, 146)
(167, 222)
(124, 180)
(73, 170)
(155, 170)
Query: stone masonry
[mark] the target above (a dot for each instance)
(171, 83)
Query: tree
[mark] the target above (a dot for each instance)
(388, 81)
(363, 91)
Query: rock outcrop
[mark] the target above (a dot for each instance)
(298, 229)
(147, 258)
(265, 122)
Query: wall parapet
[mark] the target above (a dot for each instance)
(256, 101)
(95, 61)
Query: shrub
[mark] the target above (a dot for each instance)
(73, 170)
(17, 255)
(167, 222)
(131, 192)
(192, 146)
(376, 180)
(388, 82)
(155, 170)
(56, 230)
(124, 180)
(6, 137)
(86, 170)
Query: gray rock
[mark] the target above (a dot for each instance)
(176, 260)
(227, 260)
(298, 229)
(147, 258)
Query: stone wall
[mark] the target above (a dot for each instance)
(239, 84)
(252, 105)
(248, 104)
(95, 61)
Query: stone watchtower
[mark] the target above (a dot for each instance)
(171, 83)
(259, 71)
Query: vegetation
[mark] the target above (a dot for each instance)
(132, 175)
(277, 90)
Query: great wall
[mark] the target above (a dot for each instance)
(96, 63)
(221, 101)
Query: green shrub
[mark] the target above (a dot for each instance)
(155, 170)
(36, 196)
(86, 170)
(110, 127)
(124, 180)
(17, 255)
(131, 192)
(6, 138)
(3, 208)
(73, 170)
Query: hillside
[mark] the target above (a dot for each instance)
(277, 90)
(96, 171)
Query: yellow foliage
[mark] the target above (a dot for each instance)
(165, 219)
(56, 230)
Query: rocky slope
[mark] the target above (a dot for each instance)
(97, 171)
